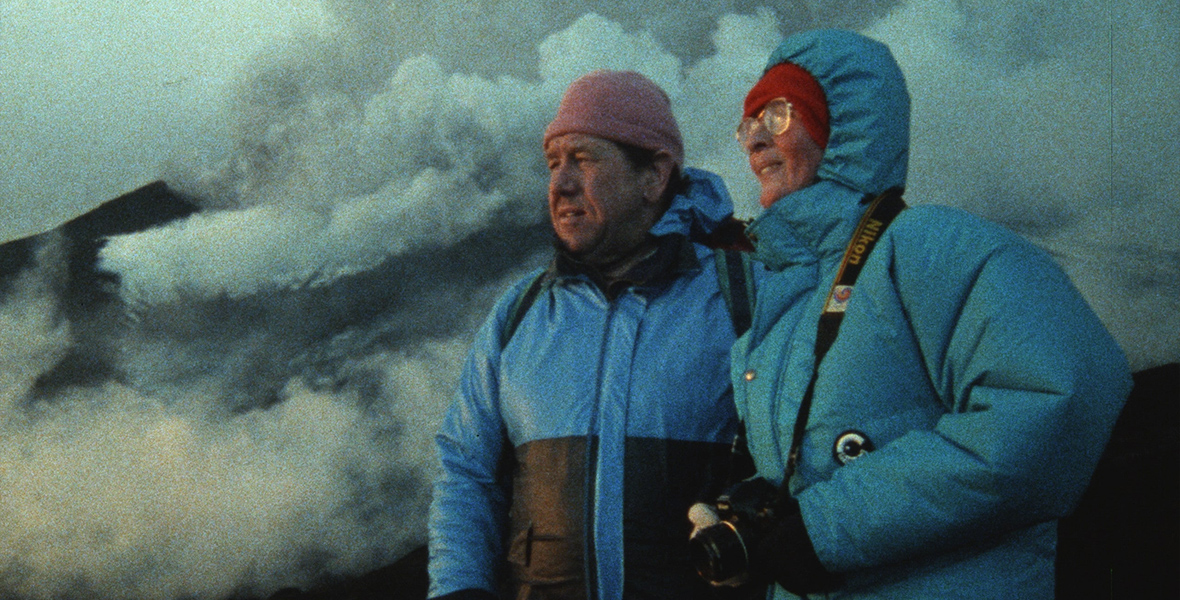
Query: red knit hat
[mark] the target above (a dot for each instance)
(622, 106)
(786, 80)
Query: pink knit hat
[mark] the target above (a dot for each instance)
(622, 106)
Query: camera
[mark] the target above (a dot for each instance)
(721, 553)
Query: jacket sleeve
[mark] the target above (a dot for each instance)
(1031, 384)
(469, 505)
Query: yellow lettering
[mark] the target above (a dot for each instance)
(871, 230)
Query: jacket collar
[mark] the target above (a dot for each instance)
(664, 258)
(697, 211)
(810, 225)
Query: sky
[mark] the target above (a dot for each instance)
(370, 180)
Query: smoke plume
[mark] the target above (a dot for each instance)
(250, 407)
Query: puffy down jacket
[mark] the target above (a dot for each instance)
(979, 379)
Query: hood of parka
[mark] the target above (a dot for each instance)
(869, 107)
(867, 152)
(699, 209)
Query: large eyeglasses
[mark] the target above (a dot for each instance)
(775, 117)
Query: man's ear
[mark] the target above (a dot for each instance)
(656, 177)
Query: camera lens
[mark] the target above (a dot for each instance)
(719, 554)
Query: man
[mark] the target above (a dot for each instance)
(585, 428)
(969, 390)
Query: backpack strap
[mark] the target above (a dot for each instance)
(736, 280)
(522, 304)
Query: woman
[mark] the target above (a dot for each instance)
(969, 390)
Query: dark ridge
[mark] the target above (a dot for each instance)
(152, 205)
(1123, 541)
(88, 294)
(14, 257)
(405, 579)
(149, 206)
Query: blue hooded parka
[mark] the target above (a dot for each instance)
(612, 415)
(969, 365)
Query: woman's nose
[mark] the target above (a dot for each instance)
(757, 139)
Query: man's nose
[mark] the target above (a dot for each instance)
(563, 180)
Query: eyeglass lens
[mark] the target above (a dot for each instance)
(775, 117)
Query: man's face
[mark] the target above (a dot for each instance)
(783, 163)
(601, 206)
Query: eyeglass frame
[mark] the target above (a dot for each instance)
(768, 118)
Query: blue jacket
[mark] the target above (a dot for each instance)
(616, 416)
(985, 385)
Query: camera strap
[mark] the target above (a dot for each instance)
(879, 215)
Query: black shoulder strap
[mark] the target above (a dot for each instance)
(735, 278)
(879, 215)
(522, 304)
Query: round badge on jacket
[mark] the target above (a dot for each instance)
(850, 446)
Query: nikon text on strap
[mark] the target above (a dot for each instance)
(880, 213)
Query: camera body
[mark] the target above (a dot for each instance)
(721, 553)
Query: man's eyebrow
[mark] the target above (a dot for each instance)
(589, 149)
(572, 149)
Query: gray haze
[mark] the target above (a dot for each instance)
(254, 408)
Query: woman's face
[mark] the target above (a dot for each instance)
(783, 163)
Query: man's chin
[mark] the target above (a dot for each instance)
(562, 246)
(586, 256)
